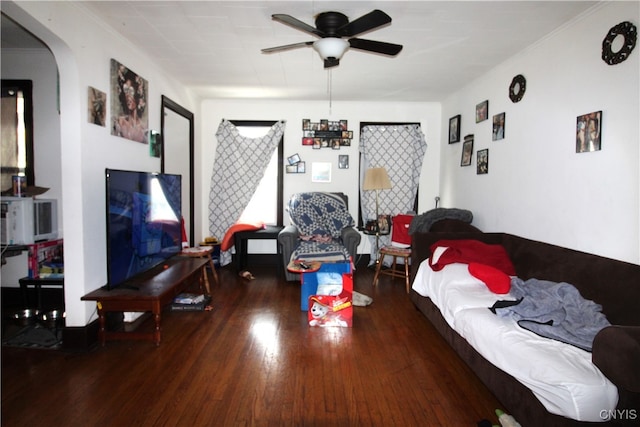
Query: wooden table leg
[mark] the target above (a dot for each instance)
(156, 334)
(102, 322)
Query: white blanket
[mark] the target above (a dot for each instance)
(561, 376)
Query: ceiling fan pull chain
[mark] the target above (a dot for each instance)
(330, 88)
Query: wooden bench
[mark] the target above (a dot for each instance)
(151, 291)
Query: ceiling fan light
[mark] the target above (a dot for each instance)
(331, 47)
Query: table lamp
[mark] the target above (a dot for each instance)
(376, 179)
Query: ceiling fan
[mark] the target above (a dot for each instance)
(333, 28)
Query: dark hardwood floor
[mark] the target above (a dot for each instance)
(253, 360)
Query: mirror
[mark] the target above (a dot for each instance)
(177, 134)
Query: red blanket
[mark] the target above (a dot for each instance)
(468, 251)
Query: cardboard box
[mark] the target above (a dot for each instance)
(334, 309)
(46, 259)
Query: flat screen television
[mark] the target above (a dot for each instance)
(144, 225)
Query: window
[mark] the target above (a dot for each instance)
(17, 132)
(266, 203)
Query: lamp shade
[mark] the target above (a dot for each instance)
(376, 179)
(331, 47)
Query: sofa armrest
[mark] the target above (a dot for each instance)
(288, 238)
(351, 239)
(616, 351)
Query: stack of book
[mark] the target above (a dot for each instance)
(190, 302)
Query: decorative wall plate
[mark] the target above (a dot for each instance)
(517, 88)
(630, 33)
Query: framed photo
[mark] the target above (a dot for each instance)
(97, 103)
(482, 111)
(317, 143)
(454, 129)
(293, 159)
(335, 143)
(301, 167)
(589, 132)
(483, 162)
(498, 127)
(467, 151)
(321, 172)
(343, 161)
(307, 141)
(292, 168)
(306, 124)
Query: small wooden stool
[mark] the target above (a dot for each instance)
(393, 271)
(203, 252)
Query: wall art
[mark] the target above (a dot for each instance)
(589, 132)
(321, 172)
(629, 33)
(454, 129)
(343, 161)
(325, 134)
(467, 151)
(129, 117)
(517, 88)
(498, 127)
(483, 162)
(97, 103)
(482, 111)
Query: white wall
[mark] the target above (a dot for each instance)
(83, 48)
(538, 186)
(344, 180)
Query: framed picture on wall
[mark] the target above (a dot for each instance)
(483, 161)
(467, 151)
(588, 132)
(498, 127)
(321, 172)
(482, 111)
(343, 161)
(454, 129)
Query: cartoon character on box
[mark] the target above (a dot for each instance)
(324, 310)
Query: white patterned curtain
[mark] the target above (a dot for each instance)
(400, 149)
(237, 170)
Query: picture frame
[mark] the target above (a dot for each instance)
(301, 167)
(343, 161)
(97, 103)
(498, 127)
(467, 151)
(321, 172)
(482, 111)
(454, 129)
(589, 132)
(483, 162)
(292, 168)
(293, 159)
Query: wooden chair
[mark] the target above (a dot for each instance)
(394, 270)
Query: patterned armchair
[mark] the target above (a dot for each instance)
(322, 230)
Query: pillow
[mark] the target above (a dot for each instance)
(319, 214)
(497, 281)
(227, 241)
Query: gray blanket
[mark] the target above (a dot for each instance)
(424, 221)
(553, 310)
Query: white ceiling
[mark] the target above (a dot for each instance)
(214, 46)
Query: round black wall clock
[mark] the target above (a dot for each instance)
(517, 88)
(630, 34)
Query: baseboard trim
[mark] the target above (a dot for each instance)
(80, 339)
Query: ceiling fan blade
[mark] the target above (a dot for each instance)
(375, 46)
(296, 23)
(371, 20)
(286, 47)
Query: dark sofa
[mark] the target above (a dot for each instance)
(613, 284)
